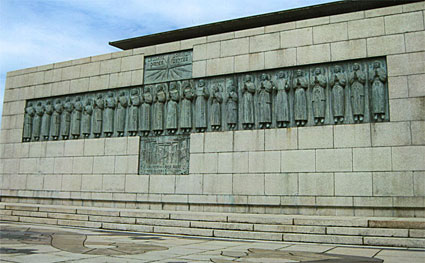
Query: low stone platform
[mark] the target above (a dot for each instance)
(373, 231)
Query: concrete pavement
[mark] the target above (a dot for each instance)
(40, 243)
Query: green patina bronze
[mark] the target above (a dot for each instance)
(172, 105)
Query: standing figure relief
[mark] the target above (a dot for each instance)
(282, 103)
(76, 118)
(28, 118)
(357, 79)
(265, 101)
(232, 106)
(159, 102)
(377, 78)
(56, 122)
(215, 114)
(318, 83)
(201, 97)
(39, 111)
(86, 118)
(338, 82)
(66, 119)
(145, 111)
(108, 123)
(122, 104)
(46, 120)
(248, 92)
(133, 112)
(186, 107)
(300, 84)
(98, 107)
(315, 95)
(172, 108)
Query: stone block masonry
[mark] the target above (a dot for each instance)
(242, 158)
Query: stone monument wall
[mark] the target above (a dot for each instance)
(325, 157)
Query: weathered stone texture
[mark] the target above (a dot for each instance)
(372, 159)
(281, 184)
(248, 184)
(350, 49)
(353, 184)
(416, 85)
(385, 45)
(219, 66)
(393, 184)
(408, 158)
(296, 38)
(279, 58)
(367, 169)
(313, 54)
(307, 137)
(330, 160)
(330, 33)
(298, 161)
(406, 64)
(316, 184)
(264, 42)
(366, 28)
(397, 87)
(312, 22)
(404, 23)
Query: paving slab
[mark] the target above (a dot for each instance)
(53, 244)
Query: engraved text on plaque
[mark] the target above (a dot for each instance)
(164, 155)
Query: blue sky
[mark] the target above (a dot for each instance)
(39, 32)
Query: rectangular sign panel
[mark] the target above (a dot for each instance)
(164, 155)
(168, 67)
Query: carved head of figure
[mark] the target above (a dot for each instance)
(264, 76)
(160, 87)
(299, 73)
(216, 88)
(337, 69)
(229, 82)
(281, 74)
(122, 93)
(174, 94)
(173, 85)
(134, 92)
(28, 108)
(247, 78)
(39, 104)
(78, 98)
(48, 102)
(317, 71)
(146, 89)
(99, 96)
(376, 64)
(68, 100)
(231, 87)
(58, 102)
(88, 102)
(356, 66)
(201, 83)
(110, 94)
(186, 86)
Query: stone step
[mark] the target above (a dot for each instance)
(398, 232)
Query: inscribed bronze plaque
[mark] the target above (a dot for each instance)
(164, 155)
(168, 67)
